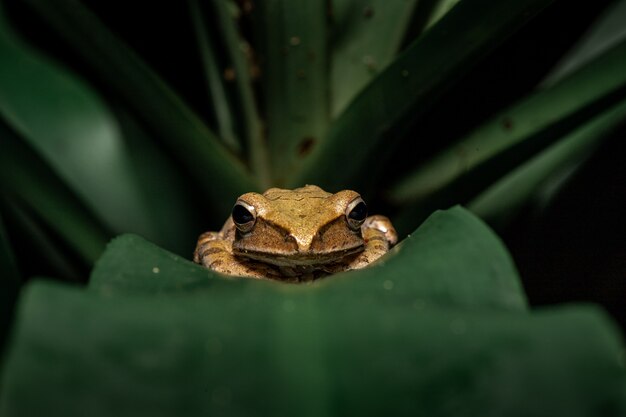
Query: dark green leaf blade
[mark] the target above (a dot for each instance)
(275, 352)
(10, 275)
(542, 117)
(511, 138)
(221, 176)
(24, 176)
(408, 86)
(452, 259)
(38, 247)
(66, 123)
(441, 7)
(504, 198)
(224, 114)
(607, 31)
(171, 207)
(293, 47)
(246, 107)
(9, 284)
(365, 37)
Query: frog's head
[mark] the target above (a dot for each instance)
(302, 227)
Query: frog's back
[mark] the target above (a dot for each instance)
(302, 193)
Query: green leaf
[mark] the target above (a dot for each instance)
(157, 334)
(38, 247)
(423, 16)
(522, 130)
(408, 87)
(232, 96)
(439, 10)
(66, 123)
(451, 259)
(250, 348)
(250, 122)
(9, 284)
(426, 266)
(10, 276)
(365, 37)
(25, 177)
(505, 197)
(292, 42)
(171, 206)
(607, 31)
(221, 176)
(214, 78)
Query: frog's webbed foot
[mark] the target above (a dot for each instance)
(213, 252)
(379, 236)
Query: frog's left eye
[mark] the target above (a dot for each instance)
(244, 216)
(356, 212)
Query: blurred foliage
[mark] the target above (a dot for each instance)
(117, 118)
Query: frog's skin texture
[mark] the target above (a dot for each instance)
(296, 235)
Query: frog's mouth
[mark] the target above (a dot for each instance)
(298, 258)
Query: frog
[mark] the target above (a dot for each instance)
(296, 235)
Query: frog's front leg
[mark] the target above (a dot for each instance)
(215, 252)
(379, 236)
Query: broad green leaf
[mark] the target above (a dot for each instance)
(517, 133)
(24, 176)
(157, 334)
(365, 36)
(166, 191)
(292, 44)
(502, 200)
(408, 87)
(70, 127)
(249, 348)
(451, 259)
(221, 176)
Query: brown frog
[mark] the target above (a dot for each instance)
(296, 235)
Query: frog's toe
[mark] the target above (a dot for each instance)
(383, 225)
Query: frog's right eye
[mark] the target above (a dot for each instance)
(356, 212)
(244, 216)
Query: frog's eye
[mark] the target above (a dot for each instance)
(356, 212)
(244, 216)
